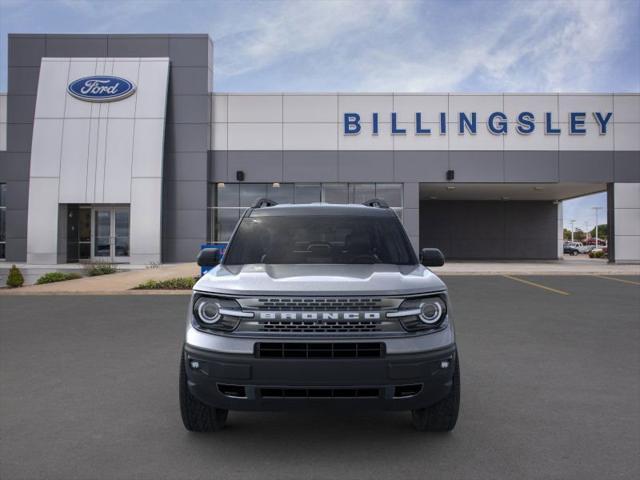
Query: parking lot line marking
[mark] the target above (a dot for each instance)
(631, 282)
(534, 284)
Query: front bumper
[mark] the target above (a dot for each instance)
(394, 382)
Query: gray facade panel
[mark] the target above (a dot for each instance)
(411, 195)
(365, 166)
(258, 165)
(188, 80)
(490, 230)
(16, 223)
(477, 166)
(19, 137)
(22, 108)
(185, 195)
(138, 46)
(17, 196)
(187, 137)
(310, 166)
(626, 166)
(428, 166)
(185, 166)
(26, 50)
(189, 51)
(181, 249)
(16, 249)
(218, 165)
(188, 109)
(23, 80)
(586, 166)
(14, 167)
(76, 46)
(186, 224)
(531, 166)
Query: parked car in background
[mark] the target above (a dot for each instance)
(570, 248)
(573, 248)
(586, 248)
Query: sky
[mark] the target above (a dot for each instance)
(378, 45)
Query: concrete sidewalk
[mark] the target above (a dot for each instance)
(581, 265)
(124, 282)
(115, 283)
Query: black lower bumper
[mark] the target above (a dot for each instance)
(394, 382)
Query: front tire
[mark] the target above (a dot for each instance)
(196, 415)
(442, 416)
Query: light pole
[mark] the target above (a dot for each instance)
(596, 210)
(572, 222)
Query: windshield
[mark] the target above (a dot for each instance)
(335, 239)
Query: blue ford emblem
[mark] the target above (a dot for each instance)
(101, 88)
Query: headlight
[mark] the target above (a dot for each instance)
(215, 313)
(421, 313)
(431, 311)
(208, 310)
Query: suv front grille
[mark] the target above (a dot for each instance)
(319, 350)
(320, 326)
(320, 304)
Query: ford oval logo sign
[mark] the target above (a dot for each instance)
(101, 88)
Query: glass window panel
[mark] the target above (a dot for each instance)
(251, 192)
(281, 194)
(307, 192)
(335, 193)
(361, 192)
(390, 192)
(2, 250)
(3, 232)
(103, 232)
(122, 223)
(224, 222)
(84, 224)
(122, 246)
(225, 195)
(3, 194)
(84, 251)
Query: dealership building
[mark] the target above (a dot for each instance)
(118, 148)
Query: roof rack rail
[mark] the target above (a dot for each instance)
(264, 202)
(376, 202)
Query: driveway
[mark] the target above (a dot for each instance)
(550, 389)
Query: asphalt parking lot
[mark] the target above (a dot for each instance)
(550, 389)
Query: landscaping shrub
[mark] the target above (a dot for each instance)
(596, 254)
(15, 278)
(52, 277)
(180, 283)
(95, 269)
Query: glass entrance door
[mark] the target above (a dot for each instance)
(111, 234)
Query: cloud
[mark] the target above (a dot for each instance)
(416, 46)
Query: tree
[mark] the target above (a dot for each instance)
(579, 235)
(603, 231)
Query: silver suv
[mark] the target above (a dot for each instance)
(319, 305)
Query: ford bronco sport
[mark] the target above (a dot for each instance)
(319, 305)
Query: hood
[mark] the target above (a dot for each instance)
(377, 279)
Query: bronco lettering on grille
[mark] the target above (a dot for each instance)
(319, 315)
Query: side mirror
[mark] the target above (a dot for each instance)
(209, 257)
(431, 257)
